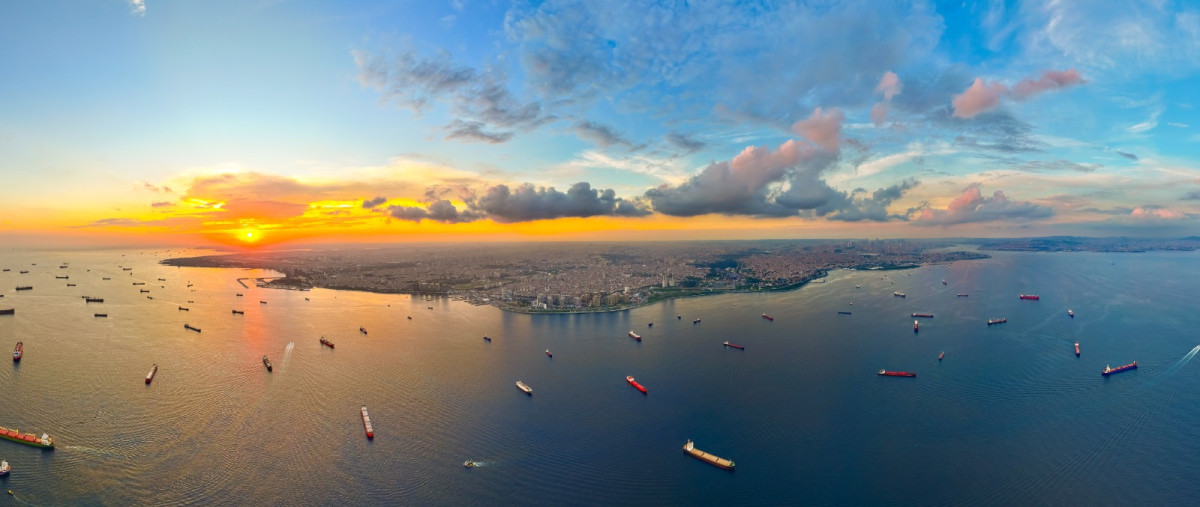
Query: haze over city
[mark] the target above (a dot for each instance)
(275, 123)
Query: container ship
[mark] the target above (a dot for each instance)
(635, 384)
(267, 363)
(1076, 349)
(768, 317)
(100, 315)
(367, 423)
(635, 336)
(923, 315)
(26, 438)
(886, 373)
(190, 328)
(1108, 370)
(1034, 297)
(996, 321)
(706, 457)
(326, 342)
(18, 351)
(730, 345)
(524, 388)
(150, 376)
(899, 294)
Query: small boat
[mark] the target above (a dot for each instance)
(367, 423)
(765, 316)
(679, 317)
(730, 345)
(635, 336)
(940, 356)
(100, 315)
(239, 294)
(915, 325)
(923, 315)
(706, 457)
(487, 339)
(964, 295)
(261, 302)
(150, 376)
(697, 321)
(858, 286)
(149, 297)
(267, 363)
(1108, 370)
(326, 342)
(238, 312)
(548, 354)
(996, 321)
(362, 330)
(887, 373)
(526, 389)
(4, 468)
(429, 307)
(899, 294)
(1076, 349)
(184, 309)
(635, 384)
(650, 324)
(843, 313)
(943, 281)
(93, 300)
(190, 328)
(410, 317)
(25, 287)
(471, 464)
(1071, 313)
(1033, 297)
(18, 351)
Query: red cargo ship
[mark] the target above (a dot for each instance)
(548, 354)
(1034, 297)
(150, 376)
(923, 315)
(18, 351)
(639, 387)
(326, 342)
(739, 347)
(635, 336)
(1110, 370)
(1076, 349)
(896, 373)
(768, 317)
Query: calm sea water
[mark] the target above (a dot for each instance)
(1009, 416)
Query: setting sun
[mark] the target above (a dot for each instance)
(248, 236)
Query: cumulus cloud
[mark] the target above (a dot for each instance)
(137, 7)
(982, 96)
(1127, 155)
(1155, 213)
(371, 203)
(603, 135)
(685, 142)
(155, 188)
(972, 206)
(889, 86)
(527, 202)
(1194, 195)
(440, 210)
(824, 129)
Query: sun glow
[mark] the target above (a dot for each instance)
(248, 235)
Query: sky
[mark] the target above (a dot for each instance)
(275, 122)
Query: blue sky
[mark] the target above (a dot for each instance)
(704, 119)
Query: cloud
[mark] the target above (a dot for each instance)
(685, 142)
(603, 135)
(161, 204)
(1127, 155)
(371, 203)
(1150, 123)
(474, 131)
(1156, 213)
(155, 188)
(889, 85)
(1194, 195)
(440, 210)
(879, 113)
(1057, 165)
(527, 202)
(823, 129)
(971, 206)
(137, 8)
(982, 96)
(1177, 125)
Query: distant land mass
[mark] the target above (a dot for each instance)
(601, 277)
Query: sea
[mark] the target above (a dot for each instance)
(1009, 416)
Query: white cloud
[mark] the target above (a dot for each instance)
(138, 7)
(1149, 124)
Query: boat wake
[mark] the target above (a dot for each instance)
(287, 353)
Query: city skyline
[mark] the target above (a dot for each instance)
(274, 123)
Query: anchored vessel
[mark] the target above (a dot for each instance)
(100, 315)
(526, 389)
(706, 457)
(1034, 297)
(362, 330)
(964, 295)
(899, 294)
(238, 312)
(326, 342)
(739, 347)
(697, 321)
(632, 382)
(367, 423)
(940, 356)
(150, 376)
(190, 328)
(487, 339)
(4, 468)
(896, 373)
(18, 351)
(1071, 313)
(1076, 349)
(916, 324)
(25, 287)
(93, 300)
(26, 438)
(843, 313)
(923, 315)
(1108, 370)
(768, 317)
(635, 336)
(548, 354)
(8, 311)
(996, 321)
(267, 363)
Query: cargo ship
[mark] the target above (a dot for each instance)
(26, 438)
(238, 312)
(93, 300)
(150, 376)
(697, 321)
(635, 384)
(524, 388)
(143, 291)
(1071, 313)
(100, 315)
(768, 317)
(487, 339)
(367, 423)
(923, 315)
(261, 302)
(23, 272)
(139, 283)
(126, 269)
(326, 342)
(25, 287)
(1108, 370)
(190, 328)
(71, 285)
(706, 457)
(239, 294)
(8, 311)
(843, 313)
(18, 351)
(4, 468)
(739, 347)
(267, 363)
(1033, 297)
(916, 325)
(963, 295)
(64, 277)
(1076, 349)
(940, 356)
(996, 321)
(548, 354)
(184, 309)
(886, 373)
(899, 294)
(362, 330)
(635, 336)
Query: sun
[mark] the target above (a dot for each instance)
(248, 235)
